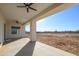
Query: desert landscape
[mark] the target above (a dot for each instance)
(68, 41)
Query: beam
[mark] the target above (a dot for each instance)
(44, 11)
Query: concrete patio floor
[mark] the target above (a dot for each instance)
(23, 47)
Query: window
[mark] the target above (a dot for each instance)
(14, 29)
(27, 28)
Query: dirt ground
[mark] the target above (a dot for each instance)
(67, 42)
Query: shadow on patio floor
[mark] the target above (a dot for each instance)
(27, 50)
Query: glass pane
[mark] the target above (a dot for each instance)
(14, 30)
(27, 28)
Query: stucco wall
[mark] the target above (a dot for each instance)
(2, 21)
(9, 35)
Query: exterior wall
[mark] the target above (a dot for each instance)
(2, 21)
(21, 32)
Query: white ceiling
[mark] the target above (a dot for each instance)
(11, 12)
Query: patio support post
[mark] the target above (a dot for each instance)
(33, 30)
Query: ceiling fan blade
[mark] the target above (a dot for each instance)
(30, 4)
(32, 8)
(24, 4)
(20, 6)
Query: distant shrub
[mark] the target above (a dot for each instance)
(77, 31)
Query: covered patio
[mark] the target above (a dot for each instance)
(16, 18)
(24, 47)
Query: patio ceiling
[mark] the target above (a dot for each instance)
(11, 12)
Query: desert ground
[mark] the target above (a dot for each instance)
(65, 41)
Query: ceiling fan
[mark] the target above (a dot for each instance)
(27, 6)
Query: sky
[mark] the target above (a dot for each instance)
(63, 21)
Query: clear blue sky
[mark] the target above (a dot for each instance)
(64, 20)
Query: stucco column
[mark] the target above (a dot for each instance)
(22, 31)
(1, 34)
(33, 30)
